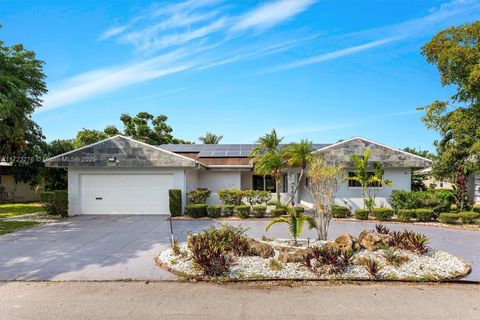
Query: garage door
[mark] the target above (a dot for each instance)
(125, 193)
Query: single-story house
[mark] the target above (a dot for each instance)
(11, 190)
(120, 175)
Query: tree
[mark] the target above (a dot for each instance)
(210, 138)
(87, 136)
(55, 178)
(421, 153)
(111, 131)
(456, 53)
(269, 143)
(417, 181)
(296, 221)
(271, 164)
(298, 155)
(324, 182)
(370, 181)
(22, 84)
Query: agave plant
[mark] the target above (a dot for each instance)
(295, 221)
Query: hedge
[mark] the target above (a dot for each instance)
(468, 217)
(196, 210)
(214, 211)
(199, 196)
(361, 214)
(175, 202)
(259, 211)
(424, 215)
(242, 211)
(450, 218)
(340, 211)
(382, 214)
(476, 208)
(230, 196)
(438, 201)
(228, 210)
(277, 212)
(55, 202)
(406, 215)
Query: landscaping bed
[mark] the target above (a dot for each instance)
(375, 255)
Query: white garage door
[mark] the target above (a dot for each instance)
(125, 193)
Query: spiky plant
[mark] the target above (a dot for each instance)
(295, 221)
(327, 259)
(175, 247)
(372, 266)
(382, 229)
(393, 257)
(274, 264)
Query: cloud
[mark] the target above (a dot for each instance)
(270, 14)
(162, 93)
(111, 32)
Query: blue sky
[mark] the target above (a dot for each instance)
(322, 70)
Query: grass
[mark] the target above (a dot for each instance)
(9, 210)
(12, 226)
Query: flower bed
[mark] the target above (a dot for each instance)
(284, 262)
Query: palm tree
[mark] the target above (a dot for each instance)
(210, 138)
(295, 221)
(269, 143)
(298, 155)
(271, 164)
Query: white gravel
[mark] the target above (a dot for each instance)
(436, 265)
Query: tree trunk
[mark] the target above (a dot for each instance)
(322, 221)
(296, 187)
(277, 189)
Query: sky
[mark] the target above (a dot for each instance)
(319, 70)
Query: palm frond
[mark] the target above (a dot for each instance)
(275, 221)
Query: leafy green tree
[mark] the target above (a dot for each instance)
(22, 84)
(56, 179)
(296, 221)
(417, 181)
(111, 131)
(210, 138)
(87, 136)
(370, 181)
(298, 155)
(456, 53)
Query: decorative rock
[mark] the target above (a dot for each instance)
(291, 254)
(373, 241)
(262, 249)
(347, 242)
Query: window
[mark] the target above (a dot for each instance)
(285, 183)
(356, 184)
(261, 183)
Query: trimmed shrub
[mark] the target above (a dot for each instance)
(476, 208)
(424, 215)
(438, 201)
(256, 197)
(55, 202)
(449, 218)
(228, 210)
(383, 214)
(340, 211)
(361, 214)
(196, 210)
(242, 212)
(406, 215)
(175, 202)
(230, 197)
(199, 196)
(214, 211)
(468, 217)
(299, 209)
(278, 212)
(277, 204)
(259, 211)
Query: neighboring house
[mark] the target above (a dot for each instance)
(14, 191)
(120, 175)
(431, 182)
(474, 188)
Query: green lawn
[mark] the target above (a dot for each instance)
(12, 226)
(16, 209)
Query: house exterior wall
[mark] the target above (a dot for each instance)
(474, 188)
(218, 180)
(74, 187)
(352, 196)
(247, 180)
(18, 191)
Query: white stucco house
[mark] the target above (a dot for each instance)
(120, 175)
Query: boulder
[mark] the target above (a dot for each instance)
(291, 254)
(261, 249)
(372, 240)
(347, 242)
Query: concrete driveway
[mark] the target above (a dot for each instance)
(123, 247)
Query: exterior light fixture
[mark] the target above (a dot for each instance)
(111, 159)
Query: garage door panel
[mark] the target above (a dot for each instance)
(125, 193)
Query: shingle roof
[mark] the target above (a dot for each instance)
(219, 150)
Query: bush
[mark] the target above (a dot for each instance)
(409, 240)
(199, 196)
(327, 259)
(449, 218)
(228, 210)
(175, 202)
(256, 197)
(242, 211)
(406, 215)
(383, 214)
(299, 209)
(55, 202)
(340, 211)
(476, 208)
(278, 212)
(214, 211)
(231, 197)
(424, 215)
(259, 211)
(468, 217)
(277, 204)
(438, 201)
(361, 214)
(196, 210)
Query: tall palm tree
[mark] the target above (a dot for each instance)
(210, 138)
(271, 164)
(298, 155)
(269, 143)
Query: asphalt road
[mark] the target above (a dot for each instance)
(176, 300)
